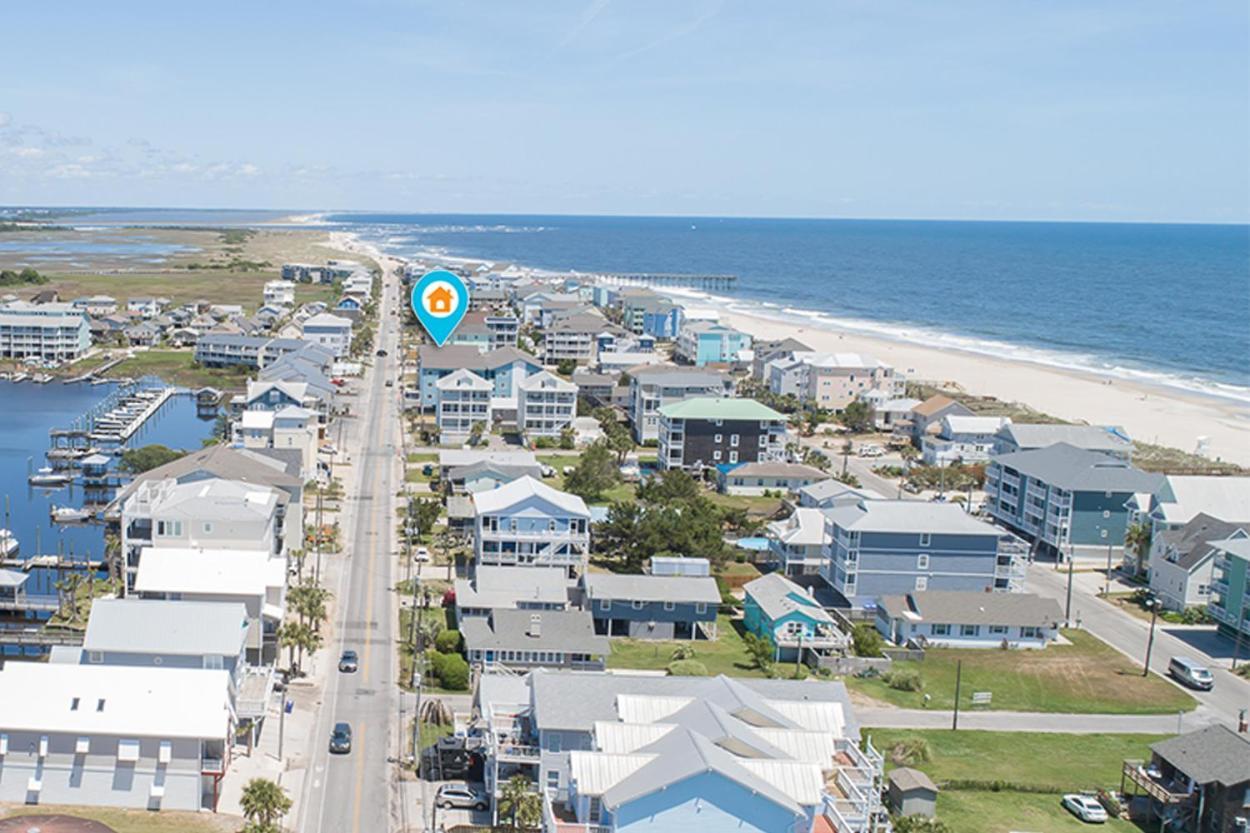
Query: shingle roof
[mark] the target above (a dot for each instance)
(971, 607)
(775, 469)
(463, 379)
(1215, 754)
(148, 626)
(1076, 469)
(720, 407)
(677, 589)
(1193, 541)
(221, 461)
(906, 778)
(913, 516)
(1090, 437)
(493, 587)
(774, 594)
(571, 631)
(830, 489)
(935, 404)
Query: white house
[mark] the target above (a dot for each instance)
(145, 307)
(279, 293)
(331, 332)
(546, 405)
(1181, 560)
(969, 619)
(114, 736)
(290, 427)
(962, 439)
(796, 543)
(53, 332)
(462, 400)
(527, 522)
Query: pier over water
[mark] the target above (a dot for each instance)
(693, 281)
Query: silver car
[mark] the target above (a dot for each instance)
(463, 796)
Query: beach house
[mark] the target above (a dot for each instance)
(705, 342)
(525, 639)
(1202, 777)
(1106, 439)
(1182, 560)
(770, 476)
(527, 523)
(519, 588)
(279, 293)
(291, 428)
(829, 380)
(962, 439)
(1229, 604)
(796, 544)
(651, 387)
(926, 417)
(652, 607)
(114, 735)
(578, 338)
(781, 611)
(332, 332)
(463, 400)
(704, 432)
(969, 619)
(826, 494)
(504, 368)
(1065, 500)
(1178, 499)
(51, 332)
(886, 547)
(546, 405)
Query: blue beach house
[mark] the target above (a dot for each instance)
(652, 607)
(780, 610)
(706, 342)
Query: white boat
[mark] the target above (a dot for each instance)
(20, 377)
(8, 543)
(42, 378)
(69, 515)
(47, 477)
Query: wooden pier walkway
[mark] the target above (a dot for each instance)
(722, 282)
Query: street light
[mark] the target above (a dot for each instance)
(1153, 604)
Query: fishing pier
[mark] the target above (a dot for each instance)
(664, 279)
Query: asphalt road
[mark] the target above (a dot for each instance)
(353, 793)
(1129, 635)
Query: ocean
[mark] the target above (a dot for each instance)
(1164, 304)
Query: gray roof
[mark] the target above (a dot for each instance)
(1090, 437)
(1076, 469)
(504, 470)
(671, 374)
(571, 631)
(457, 356)
(972, 607)
(1193, 541)
(677, 589)
(574, 701)
(504, 587)
(909, 516)
(836, 490)
(907, 779)
(1215, 754)
(223, 462)
(775, 469)
(774, 593)
(145, 626)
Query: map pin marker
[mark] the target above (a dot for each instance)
(440, 300)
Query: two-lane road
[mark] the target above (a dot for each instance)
(352, 793)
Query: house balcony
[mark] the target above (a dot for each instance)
(1153, 782)
(254, 692)
(821, 641)
(518, 753)
(559, 818)
(213, 766)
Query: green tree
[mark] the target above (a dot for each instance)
(453, 673)
(298, 638)
(760, 649)
(565, 367)
(308, 600)
(447, 641)
(568, 438)
(687, 668)
(919, 824)
(423, 514)
(1137, 542)
(148, 457)
(520, 804)
(669, 486)
(867, 640)
(594, 474)
(857, 417)
(263, 803)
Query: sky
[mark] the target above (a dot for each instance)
(1137, 110)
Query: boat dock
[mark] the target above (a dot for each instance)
(722, 282)
(97, 372)
(112, 422)
(44, 637)
(51, 562)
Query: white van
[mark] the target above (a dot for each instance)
(1190, 673)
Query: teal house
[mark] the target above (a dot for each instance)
(706, 342)
(1229, 604)
(782, 611)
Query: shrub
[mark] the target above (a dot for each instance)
(683, 652)
(904, 679)
(455, 673)
(910, 752)
(435, 661)
(687, 668)
(867, 640)
(919, 824)
(448, 642)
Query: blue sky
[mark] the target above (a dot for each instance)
(1069, 109)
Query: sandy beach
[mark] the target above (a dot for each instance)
(1150, 414)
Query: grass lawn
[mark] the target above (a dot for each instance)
(727, 655)
(1087, 676)
(753, 504)
(178, 367)
(1058, 762)
(217, 286)
(136, 821)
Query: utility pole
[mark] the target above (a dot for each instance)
(1241, 623)
(1150, 642)
(1107, 587)
(1067, 610)
(959, 673)
(317, 538)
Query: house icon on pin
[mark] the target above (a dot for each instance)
(439, 302)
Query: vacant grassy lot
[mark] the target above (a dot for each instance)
(136, 821)
(1062, 763)
(218, 286)
(178, 367)
(726, 655)
(1087, 676)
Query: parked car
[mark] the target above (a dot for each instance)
(422, 554)
(456, 795)
(381, 354)
(390, 383)
(348, 662)
(1085, 807)
(871, 450)
(341, 739)
(1190, 673)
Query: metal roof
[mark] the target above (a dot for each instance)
(146, 626)
(521, 489)
(909, 516)
(676, 589)
(720, 407)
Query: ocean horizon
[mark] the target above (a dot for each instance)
(1080, 296)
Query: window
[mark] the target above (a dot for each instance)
(718, 423)
(716, 455)
(128, 750)
(553, 743)
(998, 630)
(95, 656)
(733, 456)
(1029, 632)
(82, 746)
(1106, 513)
(924, 539)
(99, 706)
(214, 662)
(208, 527)
(922, 561)
(595, 810)
(922, 582)
(1102, 534)
(167, 752)
(73, 705)
(733, 440)
(969, 630)
(700, 607)
(940, 630)
(637, 604)
(605, 604)
(718, 438)
(553, 779)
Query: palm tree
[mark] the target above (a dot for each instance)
(1137, 541)
(520, 803)
(263, 802)
(298, 637)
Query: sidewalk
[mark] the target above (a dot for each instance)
(1005, 721)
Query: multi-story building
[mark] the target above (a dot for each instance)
(576, 338)
(887, 547)
(529, 523)
(1178, 499)
(1200, 779)
(504, 368)
(114, 736)
(290, 427)
(926, 417)
(1065, 500)
(332, 332)
(652, 607)
(1182, 560)
(962, 439)
(1229, 604)
(653, 386)
(546, 405)
(145, 307)
(704, 432)
(797, 543)
(777, 609)
(279, 293)
(707, 342)
(612, 753)
(53, 332)
(231, 350)
(1026, 436)
(830, 380)
(463, 402)
(96, 305)
(486, 331)
(514, 588)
